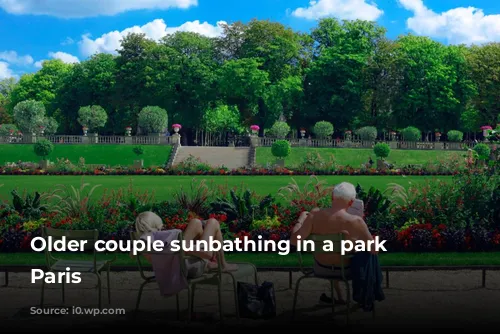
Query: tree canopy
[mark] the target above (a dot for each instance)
(347, 73)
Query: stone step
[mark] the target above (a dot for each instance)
(230, 157)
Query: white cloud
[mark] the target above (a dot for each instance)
(459, 25)
(65, 57)
(13, 58)
(110, 42)
(342, 9)
(88, 8)
(5, 71)
(68, 41)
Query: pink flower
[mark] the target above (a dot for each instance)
(255, 128)
(486, 127)
(178, 126)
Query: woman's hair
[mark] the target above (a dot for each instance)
(147, 222)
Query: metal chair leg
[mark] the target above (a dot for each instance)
(296, 295)
(235, 289)
(99, 289)
(348, 302)
(62, 290)
(109, 284)
(139, 296)
(43, 293)
(221, 311)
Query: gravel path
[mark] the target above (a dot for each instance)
(415, 300)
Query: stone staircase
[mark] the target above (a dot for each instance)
(230, 157)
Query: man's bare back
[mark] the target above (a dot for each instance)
(331, 221)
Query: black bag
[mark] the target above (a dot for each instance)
(256, 302)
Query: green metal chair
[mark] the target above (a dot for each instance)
(215, 277)
(92, 266)
(318, 240)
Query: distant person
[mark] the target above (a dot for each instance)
(331, 221)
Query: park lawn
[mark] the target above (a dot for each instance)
(355, 157)
(112, 155)
(164, 187)
(276, 260)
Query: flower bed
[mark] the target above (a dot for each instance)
(225, 171)
(193, 166)
(463, 215)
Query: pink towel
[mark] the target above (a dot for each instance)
(166, 265)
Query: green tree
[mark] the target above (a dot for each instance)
(222, 118)
(29, 116)
(93, 117)
(153, 119)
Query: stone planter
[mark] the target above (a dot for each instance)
(138, 164)
(280, 163)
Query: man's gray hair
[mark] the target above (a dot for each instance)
(345, 191)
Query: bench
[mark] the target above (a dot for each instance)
(387, 269)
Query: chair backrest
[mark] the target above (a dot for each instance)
(323, 243)
(90, 237)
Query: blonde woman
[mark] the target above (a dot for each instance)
(149, 223)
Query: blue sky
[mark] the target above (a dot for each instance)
(32, 30)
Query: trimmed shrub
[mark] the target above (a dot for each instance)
(281, 149)
(455, 136)
(482, 150)
(93, 117)
(323, 129)
(153, 119)
(280, 130)
(411, 133)
(43, 148)
(368, 133)
(382, 150)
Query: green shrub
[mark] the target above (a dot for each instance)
(281, 149)
(138, 150)
(153, 119)
(368, 133)
(6, 128)
(279, 130)
(29, 115)
(483, 151)
(93, 117)
(455, 136)
(43, 148)
(382, 150)
(411, 133)
(323, 129)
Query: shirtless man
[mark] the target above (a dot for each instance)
(330, 221)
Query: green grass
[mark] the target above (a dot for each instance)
(276, 260)
(356, 157)
(113, 155)
(165, 186)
